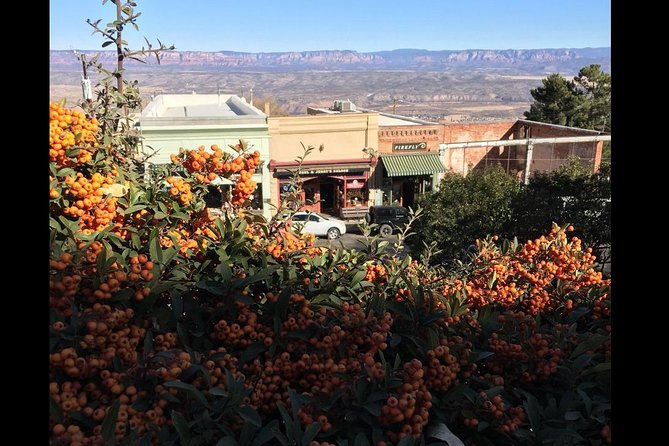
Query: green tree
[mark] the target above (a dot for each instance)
(491, 202)
(557, 101)
(583, 102)
(571, 194)
(467, 208)
(595, 86)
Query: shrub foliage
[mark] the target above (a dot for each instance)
(169, 326)
(492, 202)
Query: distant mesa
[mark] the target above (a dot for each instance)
(535, 60)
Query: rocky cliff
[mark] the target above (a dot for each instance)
(528, 61)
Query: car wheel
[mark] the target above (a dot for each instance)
(333, 233)
(386, 230)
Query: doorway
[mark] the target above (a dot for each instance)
(408, 193)
(328, 198)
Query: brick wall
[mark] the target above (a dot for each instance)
(464, 160)
(547, 157)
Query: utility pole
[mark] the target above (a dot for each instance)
(394, 104)
(528, 161)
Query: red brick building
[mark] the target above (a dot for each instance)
(409, 147)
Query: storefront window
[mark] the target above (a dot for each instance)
(256, 199)
(356, 197)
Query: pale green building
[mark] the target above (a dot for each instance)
(172, 121)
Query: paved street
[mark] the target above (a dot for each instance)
(351, 239)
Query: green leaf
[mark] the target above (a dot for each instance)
(533, 410)
(586, 401)
(83, 420)
(183, 334)
(146, 439)
(250, 415)
(109, 424)
(409, 440)
(213, 287)
(357, 277)
(190, 389)
(148, 342)
(252, 351)
(441, 432)
(218, 391)
(225, 271)
(155, 250)
(246, 435)
(295, 402)
(373, 408)
(181, 426)
(177, 304)
(361, 440)
(55, 411)
(492, 279)
(572, 415)
(266, 433)
(227, 441)
(604, 366)
(135, 208)
(310, 433)
(591, 343)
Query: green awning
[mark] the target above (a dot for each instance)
(412, 164)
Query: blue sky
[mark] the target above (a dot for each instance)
(362, 25)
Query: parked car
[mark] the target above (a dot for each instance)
(388, 218)
(319, 225)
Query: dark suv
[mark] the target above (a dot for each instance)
(388, 218)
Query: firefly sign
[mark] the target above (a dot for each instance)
(410, 146)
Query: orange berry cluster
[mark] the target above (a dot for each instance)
(62, 284)
(408, 412)
(208, 166)
(243, 332)
(189, 237)
(521, 352)
(89, 202)
(606, 433)
(527, 279)
(442, 367)
(284, 241)
(180, 190)
(168, 367)
(64, 126)
(601, 308)
(376, 273)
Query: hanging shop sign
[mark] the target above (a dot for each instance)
(410, 146)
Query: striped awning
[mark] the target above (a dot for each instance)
(412, 164)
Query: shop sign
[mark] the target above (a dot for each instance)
(323, 171)
(410, 146)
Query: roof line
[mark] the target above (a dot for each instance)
(562, 127)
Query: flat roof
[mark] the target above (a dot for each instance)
(200, 106)
(389, 119)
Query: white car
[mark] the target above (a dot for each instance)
(319, 225)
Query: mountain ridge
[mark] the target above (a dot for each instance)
(525, 60)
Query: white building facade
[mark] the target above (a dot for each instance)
(170, 122)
